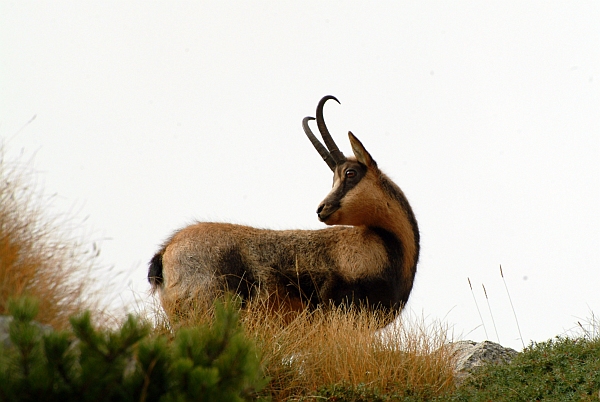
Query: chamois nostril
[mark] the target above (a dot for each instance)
(320, 208)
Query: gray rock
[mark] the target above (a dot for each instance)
(5, 321)
(469, 355)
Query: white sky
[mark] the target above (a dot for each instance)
(152, 115)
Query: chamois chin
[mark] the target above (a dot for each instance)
(367, 257)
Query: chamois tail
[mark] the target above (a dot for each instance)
(155, 271)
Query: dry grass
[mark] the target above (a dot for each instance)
(37, 256)
(345, 347)
(310, 351)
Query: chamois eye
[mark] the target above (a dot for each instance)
(350, 173)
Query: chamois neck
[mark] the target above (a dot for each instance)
(397, 217)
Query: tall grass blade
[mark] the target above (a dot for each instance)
(491, 315)
(512, 307)
(478, 311)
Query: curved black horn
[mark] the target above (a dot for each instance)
(317, 144)
(337, 156)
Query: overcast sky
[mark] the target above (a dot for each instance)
(149, 116)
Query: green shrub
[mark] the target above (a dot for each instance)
(360, 393)
(208, 363)
(562, 369)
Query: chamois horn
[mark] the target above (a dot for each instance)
(337, 156)
(317, 144)
(331, 155)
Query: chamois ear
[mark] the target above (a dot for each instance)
(359, 151)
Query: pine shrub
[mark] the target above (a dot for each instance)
(213, 362)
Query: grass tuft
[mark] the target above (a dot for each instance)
(37, 257)
(311, 353)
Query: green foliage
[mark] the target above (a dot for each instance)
(368, 393)
(359, 393)
(209, 363)
(215, 363)
(563, 369)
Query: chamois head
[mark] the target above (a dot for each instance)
(350, 201)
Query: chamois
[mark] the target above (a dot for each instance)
(368, 258)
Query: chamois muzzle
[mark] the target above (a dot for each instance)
(326, 209)
(331, 155)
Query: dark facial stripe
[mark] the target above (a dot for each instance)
(348, 183)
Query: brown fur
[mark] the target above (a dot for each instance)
(370, 260)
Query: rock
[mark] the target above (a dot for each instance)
(469, 355)
(5, 321)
